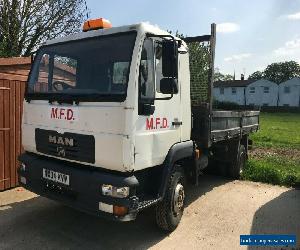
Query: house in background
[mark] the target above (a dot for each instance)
(289, 93)
(230, 91)
(262, 93)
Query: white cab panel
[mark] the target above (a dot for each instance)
(104, 121)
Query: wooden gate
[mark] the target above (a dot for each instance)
(11, 100)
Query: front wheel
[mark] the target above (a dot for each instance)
(169, 211)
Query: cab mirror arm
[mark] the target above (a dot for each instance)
(147, 109)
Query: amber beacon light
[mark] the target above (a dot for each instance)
(95, 24)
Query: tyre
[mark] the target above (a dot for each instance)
(237, 166)
(169, 211)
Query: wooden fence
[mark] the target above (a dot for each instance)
(13, 75)
(11, 100)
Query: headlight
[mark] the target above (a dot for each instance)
(118, 192)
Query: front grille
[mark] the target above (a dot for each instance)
(71, 146)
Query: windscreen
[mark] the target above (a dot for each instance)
(91, 69)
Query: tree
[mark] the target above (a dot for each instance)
(199, 57)
(282, 71)
(218, 76)
(256, 75)
(25, 24)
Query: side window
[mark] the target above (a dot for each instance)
(233, 91)
(146, 73)
(252, 90)
(120, 70)
(266, 90)
(119, 76)
(158, 65)
(221, 91)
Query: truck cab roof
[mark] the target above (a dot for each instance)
(142, 28)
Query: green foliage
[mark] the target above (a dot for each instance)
(199, 56)
(283, 71)
(225, 105)
(274, 170)
(278, 130)
(222, 105)
(25, 24)
(199, 72)
(218, 76)
(278, 72)
(256, 75)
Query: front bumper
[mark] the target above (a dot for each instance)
(84, 190)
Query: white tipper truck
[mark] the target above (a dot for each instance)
(109, 128)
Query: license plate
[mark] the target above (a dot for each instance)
(56, 177)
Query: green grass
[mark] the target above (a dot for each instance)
(274, 170)
(278, 130)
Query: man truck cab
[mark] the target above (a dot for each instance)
(107, 122)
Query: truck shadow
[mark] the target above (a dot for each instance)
(42, 223)
(207, 182)
(279, 216)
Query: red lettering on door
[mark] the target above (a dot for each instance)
(157, 122)
(54, 113)
(62, 114)
(70, 114)
(164, 123)
(149, 123)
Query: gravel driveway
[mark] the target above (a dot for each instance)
(217, 212)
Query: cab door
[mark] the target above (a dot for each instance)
(158, 125)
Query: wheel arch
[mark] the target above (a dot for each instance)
(177, 152)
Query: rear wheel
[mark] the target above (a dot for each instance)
(238, 164)
(169, 211)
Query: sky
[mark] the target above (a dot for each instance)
(250, 34)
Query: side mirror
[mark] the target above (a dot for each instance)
(169, 58)
(147, 109)
(168, 86)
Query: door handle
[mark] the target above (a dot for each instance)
(176, 123)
